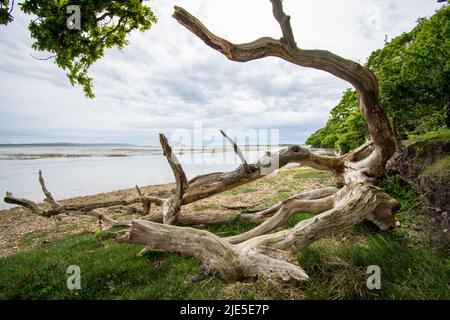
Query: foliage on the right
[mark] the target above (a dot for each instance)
(413, 70)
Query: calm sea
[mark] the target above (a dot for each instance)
(80, 171)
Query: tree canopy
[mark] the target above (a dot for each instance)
(413, 71)
(103, 24)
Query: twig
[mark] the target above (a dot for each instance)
(237, 151)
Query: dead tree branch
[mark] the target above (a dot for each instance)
(172, 206)
(309, 195)
(361, 78)
(146, 204)
(257, 252)
(56, 208)
(237, 150)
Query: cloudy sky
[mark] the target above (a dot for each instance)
(167, 79)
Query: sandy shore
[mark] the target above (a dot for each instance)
(20, 230)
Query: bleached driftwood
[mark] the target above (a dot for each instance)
(258, 252)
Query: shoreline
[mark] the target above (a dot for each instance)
(17, 223)
(20, 230)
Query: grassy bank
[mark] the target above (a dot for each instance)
(337, 265)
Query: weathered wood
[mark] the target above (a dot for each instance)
(357, 201)
(237, 150)
(259, 215)
(57, 208)
(172, 206)
(286, 210)
(67, 208)
(265, 255)
(48, 196)
(257, 252)
(230, 263)
(103, 217)
(146, 204)
(205, 186)
(360, 77)
(30, 205)
(353, 204)
(195, 219)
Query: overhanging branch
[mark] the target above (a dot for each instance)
(360, 77)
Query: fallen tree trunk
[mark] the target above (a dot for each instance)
(309, 195)
(267, 255)
(286, 210)
(253, 253)
(257, 252)
(196, 219)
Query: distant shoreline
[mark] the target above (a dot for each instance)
(70, 144)
(68, 150)
(67, 144)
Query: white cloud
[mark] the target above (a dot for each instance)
(167, 78)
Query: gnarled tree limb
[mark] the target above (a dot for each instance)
(172, 206)
(205, 186)
(357, 201)
(197, 218)
(57, 208)
(361, 78)
(267, 255)
(48, 196)
(228, 262)
(146, 204)
(287, 209)
(259, 215)
(257, 252)
(237, 151)
(353, 204)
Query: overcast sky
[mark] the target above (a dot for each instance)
(168, 79)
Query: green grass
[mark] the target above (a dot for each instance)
(287, 183)
(308, 174)
(113, 271)
(248, 188)
(231, 228)
(410, 269)
(292, 221)
(404, 194)
(441, 134)
(214, 206)
(32, 237)
(407, 272)
(108, 271)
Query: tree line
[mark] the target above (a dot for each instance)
(413, 71)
